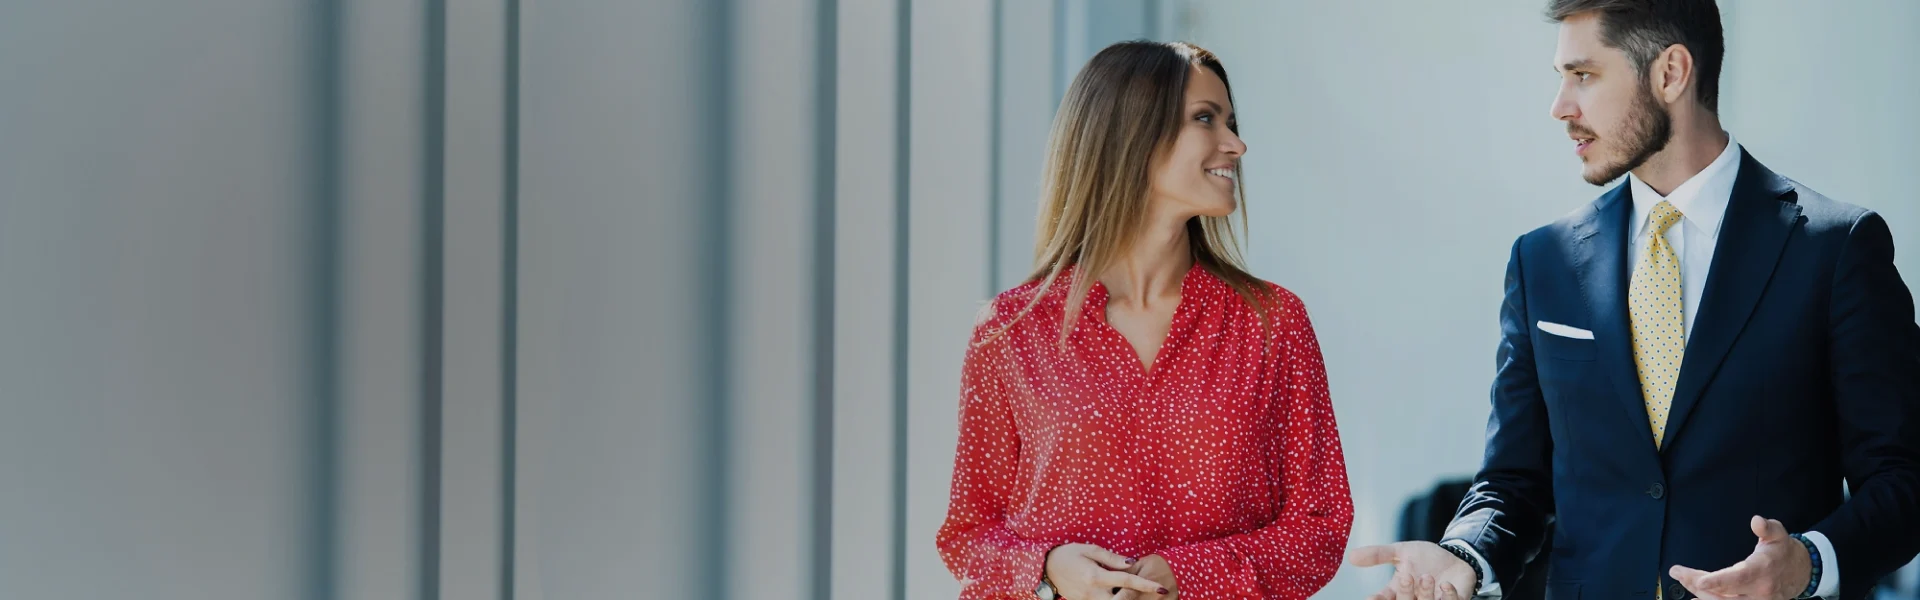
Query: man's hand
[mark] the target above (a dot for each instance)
(1778, 569)
(1421, 571)
(1089, 572)
(1154, 568)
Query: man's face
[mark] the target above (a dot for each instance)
(1615, 121)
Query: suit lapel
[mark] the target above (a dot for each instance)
(1601, 262)
(1761, 215)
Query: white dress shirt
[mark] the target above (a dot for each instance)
(1702, 201)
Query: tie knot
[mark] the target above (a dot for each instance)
(1664, 216)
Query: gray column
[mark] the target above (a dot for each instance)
(382, 155)
(951, 58)
(1026, 106)
(165, 322)
(771, 358)
(869, 159)
(473, 368)
(623, 248)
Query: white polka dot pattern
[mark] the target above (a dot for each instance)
(1659, 326)
(1223, 458)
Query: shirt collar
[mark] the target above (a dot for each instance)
(1701, 199)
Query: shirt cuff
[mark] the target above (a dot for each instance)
(1489, 585)
(1211, 569)
(1829, 586)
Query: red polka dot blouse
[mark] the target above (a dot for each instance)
(1222, 458)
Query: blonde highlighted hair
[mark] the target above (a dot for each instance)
(1122, 111)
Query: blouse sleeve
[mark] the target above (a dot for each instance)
(979, 548)
(1296, 554)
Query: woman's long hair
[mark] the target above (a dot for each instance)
(1123, 110)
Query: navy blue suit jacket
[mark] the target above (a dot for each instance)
(1802, 371)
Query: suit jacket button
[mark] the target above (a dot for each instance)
(1675, 591)
(1657, 491)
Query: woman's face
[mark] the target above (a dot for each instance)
(1196, 176)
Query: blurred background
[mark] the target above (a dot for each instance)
(556, 299)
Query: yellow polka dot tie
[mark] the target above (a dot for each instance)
(1659, 328)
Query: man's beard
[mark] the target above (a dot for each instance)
(1649, 128)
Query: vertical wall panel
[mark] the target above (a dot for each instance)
(949, 189)
(1026, 113)
(865, 456)
(771, 359)
(472, 438)
(382, 177)
(161, 247)
(619, 167)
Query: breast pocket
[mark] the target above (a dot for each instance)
(1563, 347)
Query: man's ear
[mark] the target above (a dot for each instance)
(1671, 74)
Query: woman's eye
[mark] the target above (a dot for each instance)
(1204, 117)
(1583, 76)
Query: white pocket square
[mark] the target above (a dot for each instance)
(1564, 330)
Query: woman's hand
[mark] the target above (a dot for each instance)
(1155, 568)
(1089, 572)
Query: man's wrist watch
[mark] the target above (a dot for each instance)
(1478, 576)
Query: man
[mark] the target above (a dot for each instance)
(1691, 365)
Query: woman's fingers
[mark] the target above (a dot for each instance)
(1448, 592)
(1109, 559)
(1129, 581)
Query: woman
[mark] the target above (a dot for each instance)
(1142, 418)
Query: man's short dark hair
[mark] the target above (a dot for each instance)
(1644, 28)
